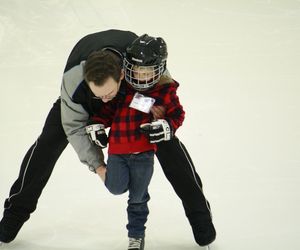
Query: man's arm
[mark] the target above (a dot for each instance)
(74, 119)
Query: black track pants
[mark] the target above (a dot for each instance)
(37, 167)
(40, 160)
(180, 171)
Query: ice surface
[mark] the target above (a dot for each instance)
(238, 65)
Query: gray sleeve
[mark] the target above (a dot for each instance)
(74, 119)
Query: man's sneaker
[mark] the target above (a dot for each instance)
(9, 228)
(136, 244)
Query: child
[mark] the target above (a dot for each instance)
(131, 151)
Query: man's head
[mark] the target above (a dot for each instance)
(145, 61)
(103, 74)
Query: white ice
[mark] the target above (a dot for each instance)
(238, 63)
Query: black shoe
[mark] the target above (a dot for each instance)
(204, 232)
(136, 244)
(10, 225)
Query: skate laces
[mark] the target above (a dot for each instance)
(135, 243)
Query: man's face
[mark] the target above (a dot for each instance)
(107, 91)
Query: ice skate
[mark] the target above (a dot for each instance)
(136, 244)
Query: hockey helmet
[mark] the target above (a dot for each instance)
(145, 61)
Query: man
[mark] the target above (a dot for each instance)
(75, 106)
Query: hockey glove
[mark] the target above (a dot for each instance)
(97, 134)
(158, 131)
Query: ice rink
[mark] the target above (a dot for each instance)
(238, 63)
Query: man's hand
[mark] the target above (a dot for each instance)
(158, 131)
(97, 134)
(101, 171)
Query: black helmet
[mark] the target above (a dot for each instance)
(147, 53)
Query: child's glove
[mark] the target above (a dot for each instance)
(158, 131)
(97, 134)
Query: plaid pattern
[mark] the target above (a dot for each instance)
(124, 122)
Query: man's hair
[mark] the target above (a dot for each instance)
(100, 65)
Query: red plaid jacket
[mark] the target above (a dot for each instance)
(125, 136)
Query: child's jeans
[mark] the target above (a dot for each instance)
(132, 172)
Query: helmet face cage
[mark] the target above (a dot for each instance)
(133, 78)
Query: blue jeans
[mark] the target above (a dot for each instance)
(132, 172)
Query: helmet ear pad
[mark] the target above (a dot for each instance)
(145, 51)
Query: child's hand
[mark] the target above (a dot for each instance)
(158, 112)
(97, 134)
(157, 131)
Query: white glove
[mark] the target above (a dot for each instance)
(158, 131)
(97, 134)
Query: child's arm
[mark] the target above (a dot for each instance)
(104, 115)
(164, 128)
(98, 123)
(174, 111)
